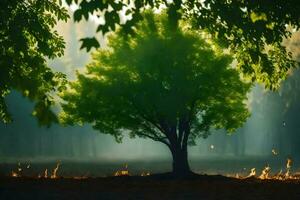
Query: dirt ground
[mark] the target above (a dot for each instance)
(151, 187)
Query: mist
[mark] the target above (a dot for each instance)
(273, 123)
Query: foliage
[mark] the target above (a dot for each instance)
(252, 30)
(26, 40)
(167, 85)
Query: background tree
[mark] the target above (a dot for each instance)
(164, 84)
(27, 39)
(252, 30)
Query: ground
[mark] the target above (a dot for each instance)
(150, 187)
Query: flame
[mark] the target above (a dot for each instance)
(265, 173)
(288, 168)
(17, 173)
(279, 176)
(54, 174)
(123, 172)
(252, 173)
(145, 174)
(289, 163)
(46, 173)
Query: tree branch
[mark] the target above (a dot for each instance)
(159, 139)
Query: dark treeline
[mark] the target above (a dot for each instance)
(272, 125)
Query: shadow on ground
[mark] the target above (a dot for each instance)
(152, 187)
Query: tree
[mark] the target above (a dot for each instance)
(164, 84)
(27, 39)
(252, 30)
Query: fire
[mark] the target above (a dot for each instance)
(18, 172)
(123, 172)
(252, 173)
(265, 173)
(288, 168)
(54, 174)
(279, 176)
(145, 174)
(46, 173)
(237, 175)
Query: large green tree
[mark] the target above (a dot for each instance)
(27, 39)
(166, 84)
(252, 30)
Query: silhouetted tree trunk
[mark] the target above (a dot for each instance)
(178, 147)
(180, 160)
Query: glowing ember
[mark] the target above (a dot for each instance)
(274, 152)
(145, 174)
(283, 124)
(14, 174)
(19, 167)
(80, 177)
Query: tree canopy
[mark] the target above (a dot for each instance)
(168, 85)
(252, 30)
(27, 39)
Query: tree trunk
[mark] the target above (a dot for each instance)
(180, 161)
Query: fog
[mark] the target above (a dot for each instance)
(274, 123)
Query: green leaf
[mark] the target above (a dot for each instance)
(77, 15)
(89, 43)
(69, 2)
